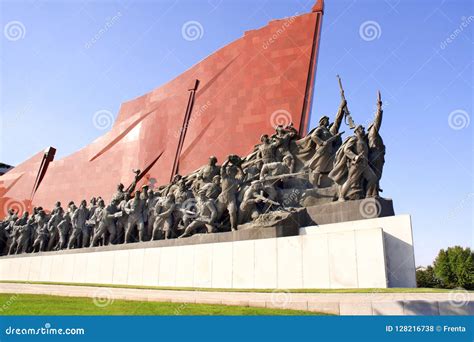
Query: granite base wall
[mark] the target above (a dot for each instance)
(375, 253)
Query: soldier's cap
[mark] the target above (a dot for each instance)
(323, 118)
(288, 157)
(358, 127)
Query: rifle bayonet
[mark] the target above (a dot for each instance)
(347, 115)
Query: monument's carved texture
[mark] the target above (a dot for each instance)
(277, 180)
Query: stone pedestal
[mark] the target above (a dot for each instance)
(371, 253)
(335, 212)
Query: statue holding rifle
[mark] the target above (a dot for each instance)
(359, 161)
(347, 114)
(327, 139)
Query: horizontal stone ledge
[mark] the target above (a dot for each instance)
(239, 235)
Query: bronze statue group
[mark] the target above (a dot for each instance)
(214, 198)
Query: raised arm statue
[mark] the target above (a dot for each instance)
(336, 125)
(376, 147)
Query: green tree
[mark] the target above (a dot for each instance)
(455, 267)
(427, 278)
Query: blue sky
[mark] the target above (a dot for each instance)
(55, 76)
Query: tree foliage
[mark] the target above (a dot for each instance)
(426, 278)
(454, 267)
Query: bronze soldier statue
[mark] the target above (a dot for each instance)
(283, 138)
(163, 227)
(134, 210)
(213, 189)
(94, 220)
(326, 139)
(106, 223)
(64, 227)
(152, 198)
(352, 170)
(14, 236)
(376, 148)
(205, 216)
(248, 210)
(121, 222)
(267, 150)
(207, 173)
(42, 232)
(120, 193)
(25, 231)
(55, 219)
(79, 218)
(227, 200)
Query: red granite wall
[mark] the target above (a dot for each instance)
(262, 79)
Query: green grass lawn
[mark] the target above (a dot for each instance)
(26, 304)
(369, 290)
